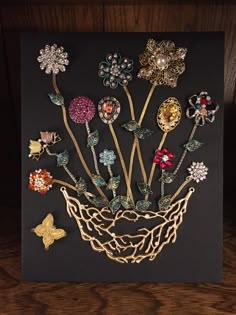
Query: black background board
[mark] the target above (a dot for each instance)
(197, 254)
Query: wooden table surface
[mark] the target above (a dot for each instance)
(17, 297)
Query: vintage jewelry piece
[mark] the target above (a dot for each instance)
(107, 158)
(115, 70)
(82, 111)
(108, 111)
(48, 231)
(163, 158)
(51, 57)
(161, 63)
(203, 110)
(37, 147)
(168, 118)
(146, 231)
(40, 180)
(146, 243)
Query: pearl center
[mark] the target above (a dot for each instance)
(161, 61)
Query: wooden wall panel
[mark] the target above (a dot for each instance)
(178, 18)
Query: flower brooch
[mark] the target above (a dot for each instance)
(53, 59)
(47, 139)
(202, 108)
(40, 181)
(115, 70)
(162, 62)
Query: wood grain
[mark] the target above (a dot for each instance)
(179, 18)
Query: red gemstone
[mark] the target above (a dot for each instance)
(158, 152)
(170, 155)
(108, 107)
(204, 101)
(169, 163)
(165, 150)
(156, 160)
(162, 165)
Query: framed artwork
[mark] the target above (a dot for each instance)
(122, 156)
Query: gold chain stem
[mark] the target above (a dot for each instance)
(121, 160)
(187, 180)
(95, 161)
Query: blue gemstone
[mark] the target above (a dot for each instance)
(197, 105)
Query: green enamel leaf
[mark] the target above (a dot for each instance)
(98, 201)
(143, 133)
(193, 145)
(142, 205)
(144, 188)
(167, 177)
(165, 202)
(63, 158)
(81, 186)
(56, 99)
(115, 204)
(98, 180)
(93, 139)
(127, 202)
(131, 125)
(113, 183)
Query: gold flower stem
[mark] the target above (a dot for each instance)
(79, 152)
(136, 143)
(131, 161)
(95, 161)
(121, 161)
(54, 83)
(132, 114)
(62, 183)
(181, 187)
(140, 161)
(131, 105)
(145, 106)
(154, 164)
